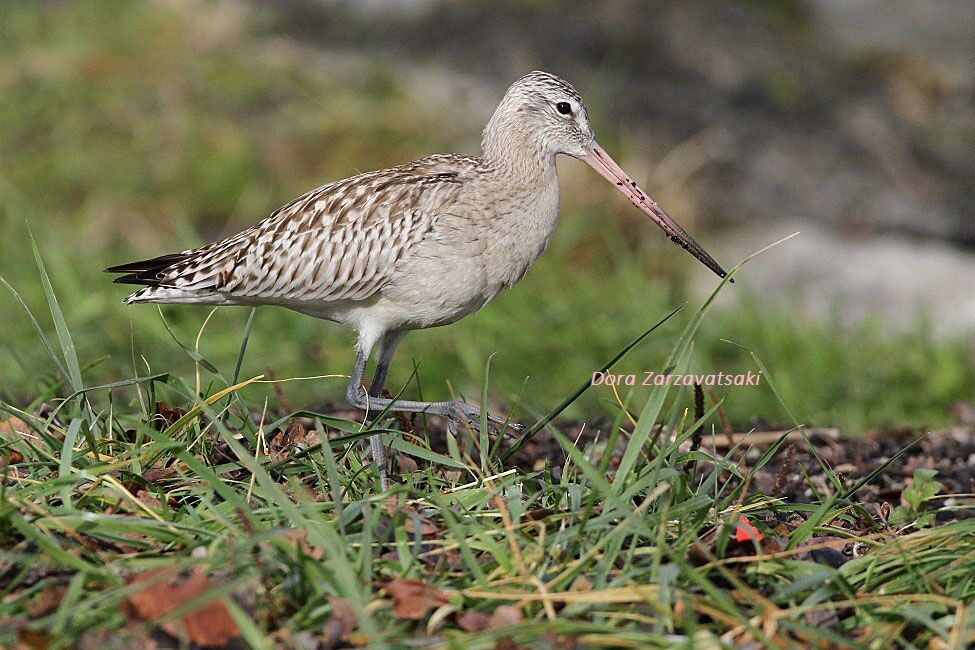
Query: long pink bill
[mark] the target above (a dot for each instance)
(599, 160)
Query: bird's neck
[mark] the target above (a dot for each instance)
(514, 154)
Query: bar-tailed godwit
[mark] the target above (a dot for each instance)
(415, 246)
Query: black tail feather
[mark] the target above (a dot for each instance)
(147, 272)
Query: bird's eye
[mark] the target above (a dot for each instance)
(563, 107)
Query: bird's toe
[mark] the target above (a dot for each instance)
(467, 415)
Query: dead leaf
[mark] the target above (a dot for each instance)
(406, 464)
(33, 639)
(417, 521)
(300, 539)
(157, 475)
(343, 620)
(581, 584)
(505, 616)
(166, 416)
(148, 499)
(98, 639)
(539, 514)
(11, 458)
(279, 447)
(450, 476)
(295, 438)
(12, 426)
(209, 625)
(48, 601)
(472, 621)
(412, 599)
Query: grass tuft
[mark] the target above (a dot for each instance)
(266, 527)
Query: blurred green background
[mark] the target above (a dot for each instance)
(131, 129)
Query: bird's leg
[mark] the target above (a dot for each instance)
(390, 342)
(456, 410)
(353, 393)
(372, 404)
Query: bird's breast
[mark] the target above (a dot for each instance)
(521, 227)
(474, 251)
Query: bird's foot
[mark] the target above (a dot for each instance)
(467, 415)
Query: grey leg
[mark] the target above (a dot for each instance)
(457, 411)
(353, 393)
(372, 402)
(390, 342)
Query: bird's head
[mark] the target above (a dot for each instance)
(544, 114)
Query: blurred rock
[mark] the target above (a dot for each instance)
(823, 273)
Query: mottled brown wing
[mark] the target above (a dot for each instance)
(347, 260)
(339, 242)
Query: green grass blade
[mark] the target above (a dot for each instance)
(38, 329)
(538, 426)
(60, 326)
(67, 457)
(248, 327)
(190, 352)
(483, 440)
(428, 455)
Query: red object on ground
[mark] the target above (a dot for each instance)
(744, 531)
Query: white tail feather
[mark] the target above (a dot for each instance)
(175, 295)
